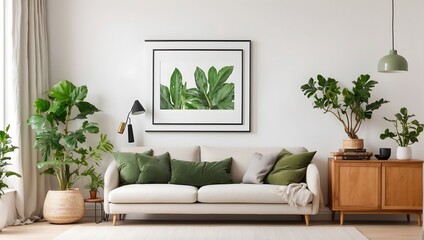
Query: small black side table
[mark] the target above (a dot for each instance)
(102, 212)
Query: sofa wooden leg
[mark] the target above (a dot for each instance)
(307, 220)
(114, 219)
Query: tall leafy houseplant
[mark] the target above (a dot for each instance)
(61, 125)
(5, 148)
(406, 132)
(350, 106)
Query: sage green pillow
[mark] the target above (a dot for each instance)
(201, 173)
(128, 166)
(154, 169)
(289, 168)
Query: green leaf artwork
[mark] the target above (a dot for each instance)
(211, 92)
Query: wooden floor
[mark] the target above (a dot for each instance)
(374, 230)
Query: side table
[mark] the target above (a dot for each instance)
(102, 212)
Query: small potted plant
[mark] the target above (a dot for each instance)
(5, 148)
(406, 132)
(96, 181)
(350, 106)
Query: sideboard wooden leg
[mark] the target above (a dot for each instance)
(419, 216)
(341, 217)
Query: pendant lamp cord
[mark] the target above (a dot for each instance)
(393, 24)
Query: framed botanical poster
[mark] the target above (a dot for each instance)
(198, 85)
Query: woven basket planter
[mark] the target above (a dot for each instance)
(353, 143)
(62, 207)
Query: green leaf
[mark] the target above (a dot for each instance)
(41, 105)
(48, 141)
(57, 108)
(72, 139)
(212, 79)
(49, 171)
(79, 93)
(165, 98)
(196, 100)
(105, 145)
(48, 163)
(221, 77)
(226, 90)
(10, 173)
(85, 109)
(223, 74)
(90, 127)
(37, 122)
(201, 82)
(62, 91)
(175, 88)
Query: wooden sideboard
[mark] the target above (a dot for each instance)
(376, 187)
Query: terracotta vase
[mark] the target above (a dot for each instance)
(62, 207)
(93, 194)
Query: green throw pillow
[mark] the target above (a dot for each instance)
(201, 173)
(154, 169)
(289, 168)
(128, 166)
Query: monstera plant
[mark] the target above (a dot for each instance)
(211, 92)
(61, 125)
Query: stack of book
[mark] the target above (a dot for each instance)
(351, 154)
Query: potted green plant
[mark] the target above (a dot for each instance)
(61, 126)
(405, 132)
(96, 181)
(350, 106)
(6, 147)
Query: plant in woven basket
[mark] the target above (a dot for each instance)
(61, 125)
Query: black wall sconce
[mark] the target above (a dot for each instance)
(136, 109)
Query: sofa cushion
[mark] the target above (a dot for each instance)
(202, 173)
(239, 193)
(128, 166)
(153, 193)
(240, 155)
(260, 165)
(289, 168)
(154, 169)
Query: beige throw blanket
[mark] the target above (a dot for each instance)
(295, 194)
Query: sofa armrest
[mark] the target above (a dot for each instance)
(111, 182)
(314, 185)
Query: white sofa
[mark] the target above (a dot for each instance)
(233, 198)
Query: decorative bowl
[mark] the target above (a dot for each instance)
(379, 157)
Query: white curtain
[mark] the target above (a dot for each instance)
(27, 79)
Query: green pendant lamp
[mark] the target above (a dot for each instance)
(393, 62)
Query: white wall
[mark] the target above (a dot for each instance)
(99, 43)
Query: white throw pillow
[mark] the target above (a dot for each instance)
(259, 167)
